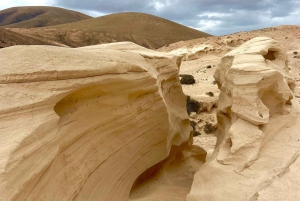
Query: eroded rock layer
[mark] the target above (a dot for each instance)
(258, 142)
(83, 124)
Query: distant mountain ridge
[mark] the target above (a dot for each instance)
(143, 29)
(38, 16)
(53, 25)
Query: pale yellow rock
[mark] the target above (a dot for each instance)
(258, 143)
(83, 124)
(192, 53)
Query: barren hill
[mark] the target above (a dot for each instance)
(38, 16)
(143, 29)
(9, 38)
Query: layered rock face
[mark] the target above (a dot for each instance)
(256, 156)
(193, 53)
(83, 124)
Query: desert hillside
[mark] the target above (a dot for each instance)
(38, 16)
(143, 29)
(9, 38)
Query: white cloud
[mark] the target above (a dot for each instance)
(208, 26)
(159, 5)
(14, 3)
(92, 13)
(293, 18)
(211, 14)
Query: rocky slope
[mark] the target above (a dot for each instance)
(89, 123)
(38, 16)
(10, 38)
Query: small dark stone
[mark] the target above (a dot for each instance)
(192, 105)
(211, 94)
(209, 128)
(187, 79)
(193, 124)
(196, 133)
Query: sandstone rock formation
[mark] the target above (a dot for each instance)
(191, 53)
(258, 145)
(84, 124)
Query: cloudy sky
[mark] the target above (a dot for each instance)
(217, 17)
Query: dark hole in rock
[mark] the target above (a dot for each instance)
(288, 102)
(270, 55)
(230, 143)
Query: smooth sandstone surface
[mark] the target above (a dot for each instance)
(258, 139)
(85, 123)
(192, 53)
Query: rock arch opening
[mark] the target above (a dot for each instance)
(271, 55)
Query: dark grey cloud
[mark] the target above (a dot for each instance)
(217, 17)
